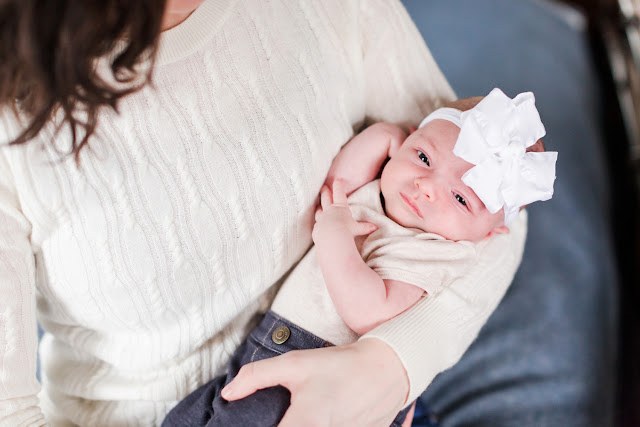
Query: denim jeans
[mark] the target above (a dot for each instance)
(264, 408)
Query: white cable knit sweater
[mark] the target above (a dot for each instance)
(145, 265)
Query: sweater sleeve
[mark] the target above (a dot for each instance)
(403, 81)
(18, 329)
(434, 334)
(403, 84)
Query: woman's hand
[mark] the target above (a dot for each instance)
(360, 384)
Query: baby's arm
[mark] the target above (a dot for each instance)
(361, 297)
(360, 159)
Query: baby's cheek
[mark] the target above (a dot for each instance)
(472, 229)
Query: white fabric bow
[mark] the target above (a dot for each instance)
(494, 136)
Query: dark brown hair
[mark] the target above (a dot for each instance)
(48, 53)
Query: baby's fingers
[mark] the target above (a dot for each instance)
(325, 197)
(339, 196)
(362, 228)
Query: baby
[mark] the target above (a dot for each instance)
(459, 179)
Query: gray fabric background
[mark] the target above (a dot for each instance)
(547, 356)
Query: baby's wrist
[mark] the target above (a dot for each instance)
(328, 236)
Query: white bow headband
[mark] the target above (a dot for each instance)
(494, 136)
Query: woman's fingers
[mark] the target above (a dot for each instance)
(331, 386)
(253, 377)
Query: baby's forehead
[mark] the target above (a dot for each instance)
(440, 132)
(440, 147)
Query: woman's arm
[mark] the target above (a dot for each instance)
(398, 359)
(450, 320)
(18, 330)
(364, 383)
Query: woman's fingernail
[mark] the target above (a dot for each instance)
(227, 391)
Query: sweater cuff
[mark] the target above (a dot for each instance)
(21, 411)
(433, 335)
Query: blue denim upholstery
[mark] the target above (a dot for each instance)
(547, 355)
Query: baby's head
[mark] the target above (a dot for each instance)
(423, 186)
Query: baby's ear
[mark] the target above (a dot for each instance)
(503, 229)
(538, 147)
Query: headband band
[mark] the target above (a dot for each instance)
(446, 113)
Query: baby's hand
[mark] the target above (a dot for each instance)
(334, 219)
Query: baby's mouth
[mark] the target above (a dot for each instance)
(412, 205)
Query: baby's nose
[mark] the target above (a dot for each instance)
(426, 187)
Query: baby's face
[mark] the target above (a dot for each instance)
(422, 187)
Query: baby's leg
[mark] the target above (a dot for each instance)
(265, 408)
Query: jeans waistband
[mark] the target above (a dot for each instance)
(297, 339)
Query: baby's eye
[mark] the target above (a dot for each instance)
(461, 199)
(424, 158)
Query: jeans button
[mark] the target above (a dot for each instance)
(281, 334)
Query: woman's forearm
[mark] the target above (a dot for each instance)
(451, 319)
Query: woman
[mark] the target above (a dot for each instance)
(152, 246)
